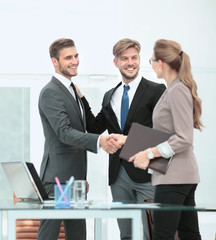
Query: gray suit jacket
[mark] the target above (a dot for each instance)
(174, 114)
(66, 140)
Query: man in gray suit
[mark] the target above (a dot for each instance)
(66, 141)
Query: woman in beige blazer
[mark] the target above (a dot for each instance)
(177, 112)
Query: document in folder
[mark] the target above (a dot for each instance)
(140, 138)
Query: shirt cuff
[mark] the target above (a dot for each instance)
(165, 150)
(98, 146)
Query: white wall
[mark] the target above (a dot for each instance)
(28, 27)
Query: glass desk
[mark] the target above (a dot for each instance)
(95, 210)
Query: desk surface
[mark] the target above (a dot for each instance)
(6, 204)
(33, 210)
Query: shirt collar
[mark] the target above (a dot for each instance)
(65, 81)
(133, 83)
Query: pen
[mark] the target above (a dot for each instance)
(66, 189)
(61, 190)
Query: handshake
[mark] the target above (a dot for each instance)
(112, 142)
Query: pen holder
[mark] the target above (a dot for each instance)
(62, 196)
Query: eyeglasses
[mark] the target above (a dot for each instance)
(152, 60)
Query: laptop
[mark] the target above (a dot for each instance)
(25, 182)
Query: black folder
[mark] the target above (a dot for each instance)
(140, 138)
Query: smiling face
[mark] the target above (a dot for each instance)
(68, 62)
(128, 63)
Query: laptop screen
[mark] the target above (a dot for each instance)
(37, 181)
(24, 180)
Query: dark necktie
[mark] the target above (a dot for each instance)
(124, 106)
(75, 92)
(77, 98)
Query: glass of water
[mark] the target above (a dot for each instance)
(79, 188)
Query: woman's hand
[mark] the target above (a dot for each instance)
(87, 186)
(140, 160)
(78, 91)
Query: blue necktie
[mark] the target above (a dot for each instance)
(124, 106)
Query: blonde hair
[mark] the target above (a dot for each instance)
(124, 44)
(171, 53)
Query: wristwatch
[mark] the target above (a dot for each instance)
(150, 154)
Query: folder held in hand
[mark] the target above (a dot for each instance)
(140, 138)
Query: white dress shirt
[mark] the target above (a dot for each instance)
(67, 83)
(117, 96)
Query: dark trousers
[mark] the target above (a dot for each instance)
(167, 222)
(126, 190)
(75, 229)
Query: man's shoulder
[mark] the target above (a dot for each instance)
(49, 87)
(152, 84)
(111, 90)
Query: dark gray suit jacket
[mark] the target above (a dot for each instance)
(141, 108)
(66, 140)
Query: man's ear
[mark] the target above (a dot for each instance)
(115, 62)
(54, 61)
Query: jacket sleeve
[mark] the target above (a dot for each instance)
(94, 124)
(68, 129)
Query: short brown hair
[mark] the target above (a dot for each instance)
(124, 44)
(58, 45)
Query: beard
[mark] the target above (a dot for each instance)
(66, 73)
(128, 77)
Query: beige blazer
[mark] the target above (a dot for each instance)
(174, 114)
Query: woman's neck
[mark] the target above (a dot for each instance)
(171, 76)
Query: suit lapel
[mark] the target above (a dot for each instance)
(83, 112)
(69, 95)
(108, 111)
(136, 101)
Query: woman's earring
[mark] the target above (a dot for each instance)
(159, 69)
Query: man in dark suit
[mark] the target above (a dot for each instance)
(66, 141)
(128, 184)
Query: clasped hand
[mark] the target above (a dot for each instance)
(112, 142)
